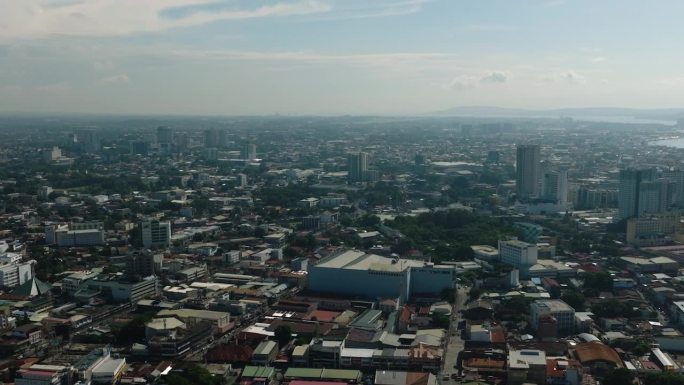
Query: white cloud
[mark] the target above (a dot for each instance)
(462, 82)
(554, 3)
(114, 79)
(494, 78)
(34, 19)
(568, 76)
(490, 27)
(376, 8)
(571, 76)
(29, 19)
(676, 82)
(598, 59)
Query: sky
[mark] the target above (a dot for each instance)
(330, 57)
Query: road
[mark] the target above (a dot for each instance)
(454, 343)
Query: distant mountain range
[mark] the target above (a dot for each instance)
(490, 111)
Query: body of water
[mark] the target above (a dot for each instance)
(674, 142)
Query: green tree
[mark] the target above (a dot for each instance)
(664, 378)
(193, 375)
(574, 299)
(620, 376)
(448, 295)
(282, 334)
(640, 349)
(601, 281)
(440, 320)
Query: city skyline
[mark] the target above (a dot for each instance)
(336, 57)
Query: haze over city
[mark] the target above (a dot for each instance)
(341, 192)
(337, 57)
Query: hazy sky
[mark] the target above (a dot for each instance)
(337, 56)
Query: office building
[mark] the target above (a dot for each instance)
(357, 166)
(75, 234)
(14, 271)
(527, 169)
(117, 289)
(155, 234)
(72, 283)
(629, 190)
(142, 265)
(561, 311)
(519, 254)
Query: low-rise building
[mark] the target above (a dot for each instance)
(563, 313)
(526, 365)
(265, 353)
(220, 320)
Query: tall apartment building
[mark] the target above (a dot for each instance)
(555, 186)
(676, 176)
(527, 171)
(357, 166)
(630, 189)
(249, 152)
(211, 137)
(89, 140)
(656, 196)
(165, 139)
(155, 234)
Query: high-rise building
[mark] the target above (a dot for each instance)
(241, 180)
(222, 138)
(139, 147)
(655, 196)
(676, 176)
(142, 265)
(493, 156)
(211, 137)
(357, 166)
(155, 233)
(527, 169)
(249, 152)
(164, 139)
(89, 140)
(555, 186)
(630, 190)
